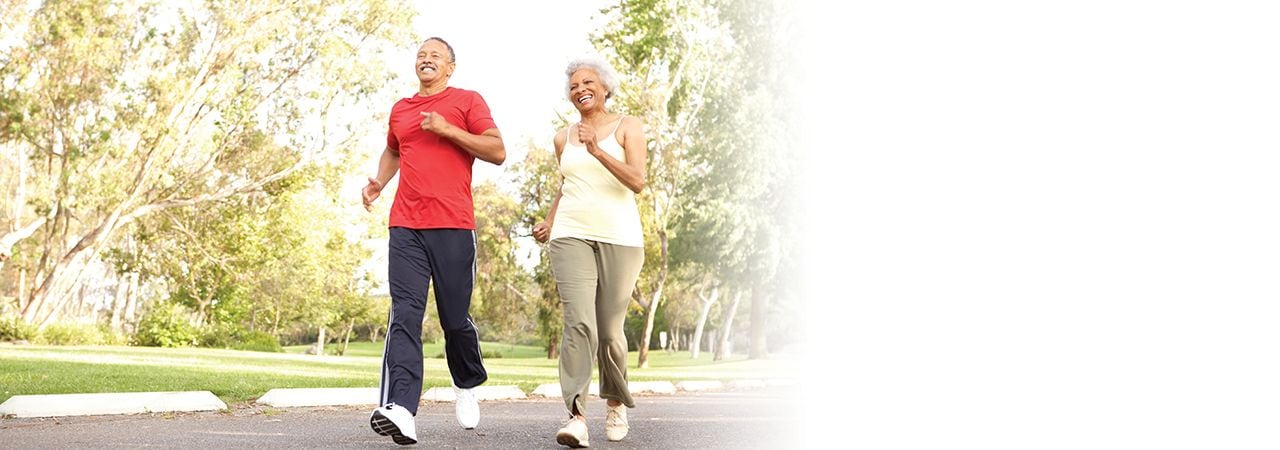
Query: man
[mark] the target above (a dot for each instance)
(434, 138)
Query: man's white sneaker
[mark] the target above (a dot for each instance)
(395, 421)
(615, 422)
(466, 408)
(574, 434)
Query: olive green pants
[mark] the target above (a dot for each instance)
(595, 281)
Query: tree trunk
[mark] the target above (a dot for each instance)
(22, 289)
(346, 337)
(553, 348)
(131, 304)
(60, 289)
(651, 313)
(10, 239)
(695, 347)
(759, 311)
(275, 324)
(320, 342)
(117, 304)
(723, 350)
(651, 310)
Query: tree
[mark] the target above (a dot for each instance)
(667, 53)
(538, 177)
(502, 302)
(129, 109)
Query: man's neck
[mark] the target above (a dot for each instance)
(429, 90)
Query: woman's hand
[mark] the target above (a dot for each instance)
(542, 231)
(587, 135)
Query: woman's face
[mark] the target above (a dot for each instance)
(586, 91)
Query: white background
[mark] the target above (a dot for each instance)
(1043, 224)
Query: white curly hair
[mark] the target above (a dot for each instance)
(602, 68)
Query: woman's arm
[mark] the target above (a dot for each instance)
(631, 172)
(542, 231)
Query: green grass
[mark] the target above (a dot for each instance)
(239, 377)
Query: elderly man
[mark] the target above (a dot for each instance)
(433, 139)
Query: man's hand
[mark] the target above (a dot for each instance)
(434, 123)
(542, 231)
(370, 193)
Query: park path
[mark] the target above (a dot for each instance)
(757, 418)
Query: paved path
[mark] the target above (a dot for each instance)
(757, 418)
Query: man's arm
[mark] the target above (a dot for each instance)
(388, 165)
(486, 146)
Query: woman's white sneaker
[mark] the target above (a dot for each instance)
(574, 434)
(615, 423)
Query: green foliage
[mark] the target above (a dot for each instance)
(502, 302)
(538, 177)
(159, 133)
(166, 325)
(14, 329)
(71, 334)
(258, 341)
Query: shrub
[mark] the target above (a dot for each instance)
(14, 329)
(258, 341)
(486, 354)
(71, 334)
(166, 325)
(218, 336)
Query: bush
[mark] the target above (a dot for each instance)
(166, 325)
(71, 334)
(258, 341)
(112, 337)
(14, 329)
(218, 336)
(486, 354)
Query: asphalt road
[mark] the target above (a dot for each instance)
(758, 418)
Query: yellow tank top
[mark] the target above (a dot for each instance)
(594, 205)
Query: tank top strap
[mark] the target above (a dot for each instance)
(618, 125)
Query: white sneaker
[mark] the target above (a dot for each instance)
(466, 408)
(615, 422)
(395, 421)
(574, 434)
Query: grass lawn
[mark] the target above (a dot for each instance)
(239, 377)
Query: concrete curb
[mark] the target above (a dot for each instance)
(319, 397)
(552, 390)
(695, 386)
(150, 402)
(439, 394)
(114, 403)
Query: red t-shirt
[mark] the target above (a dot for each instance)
(435, 174)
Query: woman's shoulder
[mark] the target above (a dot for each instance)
(562, 135)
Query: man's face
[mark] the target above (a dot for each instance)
(433, 62)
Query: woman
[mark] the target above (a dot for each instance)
(597, 246)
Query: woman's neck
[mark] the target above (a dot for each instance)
(595, 116)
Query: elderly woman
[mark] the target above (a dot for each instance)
(597, 246)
